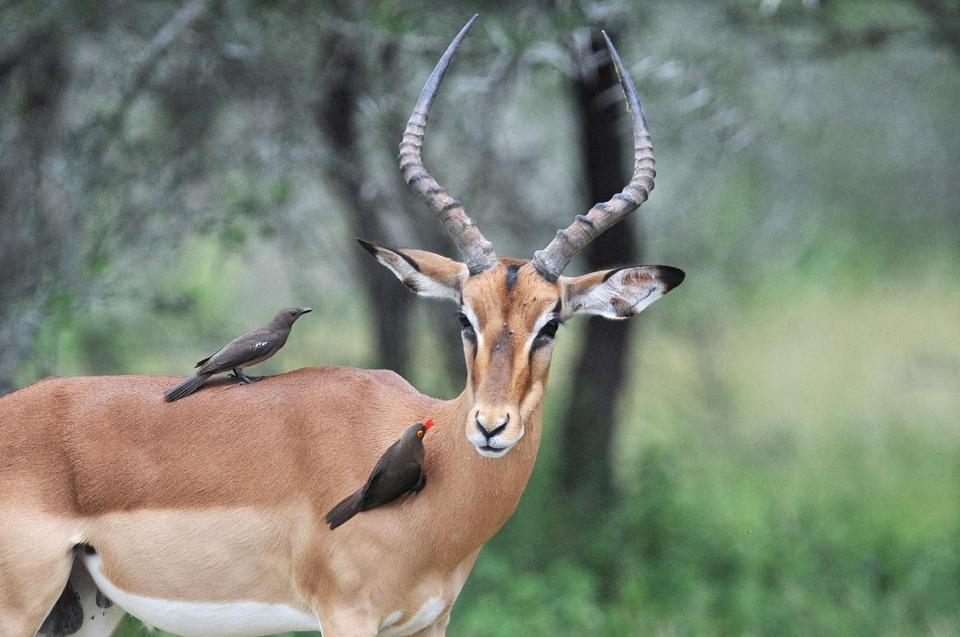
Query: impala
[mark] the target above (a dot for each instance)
(204, 517)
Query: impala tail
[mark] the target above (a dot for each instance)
(346, 509)
(185, 387)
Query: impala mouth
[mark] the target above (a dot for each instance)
(492, 452)
(493, 436)
(493, 447)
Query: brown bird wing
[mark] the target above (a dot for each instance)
(395, 474)
(378, 469)
(243, 350)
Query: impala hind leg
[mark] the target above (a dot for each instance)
(66, 616)
(31, 581)
(100, 616)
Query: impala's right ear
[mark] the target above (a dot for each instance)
(425, 273)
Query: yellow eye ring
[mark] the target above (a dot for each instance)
(420, 434)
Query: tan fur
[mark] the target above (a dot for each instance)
(220, 496)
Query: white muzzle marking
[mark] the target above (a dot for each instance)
(495, 447)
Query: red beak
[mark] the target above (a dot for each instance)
(428, 423)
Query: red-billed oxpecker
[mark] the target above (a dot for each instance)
(398, 472)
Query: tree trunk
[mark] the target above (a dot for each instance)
(336, 114)
(601, 366)
(40, 262)
(29, 255)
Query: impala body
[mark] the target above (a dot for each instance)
(205, 516)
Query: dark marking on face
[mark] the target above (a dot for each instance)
(512, 275)
(503, 340)
(558, 307)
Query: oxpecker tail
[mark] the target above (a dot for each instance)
(348, 507)
(185, 387)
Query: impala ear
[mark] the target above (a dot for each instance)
(617, 294)
(425, 273)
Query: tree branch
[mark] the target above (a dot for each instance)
(93, 137)
(833, 38)
(945, 21)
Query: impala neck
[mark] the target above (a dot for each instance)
(478, 494)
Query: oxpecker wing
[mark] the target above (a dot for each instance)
(244, 350)
(249, 349)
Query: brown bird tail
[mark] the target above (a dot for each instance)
(348, 507)
(185, 387)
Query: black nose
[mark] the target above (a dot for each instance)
(488, 434)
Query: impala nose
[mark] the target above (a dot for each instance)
(490, 430)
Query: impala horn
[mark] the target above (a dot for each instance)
(551, 261)
(476, 250)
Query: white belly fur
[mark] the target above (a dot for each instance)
(205, 619)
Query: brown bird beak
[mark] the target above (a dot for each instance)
(304, 310)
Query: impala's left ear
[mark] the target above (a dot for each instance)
(617, 294)
(425, 273)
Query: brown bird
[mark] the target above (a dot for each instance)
(399, 471)
(249, 349)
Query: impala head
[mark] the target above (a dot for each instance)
(509, 310)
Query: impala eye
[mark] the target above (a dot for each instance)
(465, 322)
(547, 332)
(550, 329)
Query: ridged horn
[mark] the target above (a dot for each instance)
(477, 252)
(551, 261)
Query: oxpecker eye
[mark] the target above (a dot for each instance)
(420, 433)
